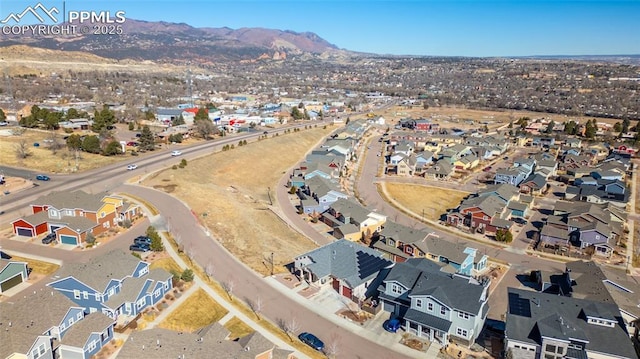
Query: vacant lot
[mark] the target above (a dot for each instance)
(454, 116)
(195, 312)
(41, 158)
(228, 192)
(424, 200)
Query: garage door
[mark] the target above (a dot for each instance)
(68, 240)
(27, 232)
(10, 283)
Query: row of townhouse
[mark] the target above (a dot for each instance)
(584, 225)
(71, 216)
(438, 158)
(491, 209)
(77, 316)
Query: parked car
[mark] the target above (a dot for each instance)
(176, 153)
(487, 169)
(51, 237)
(132, 143)
(265, 133)
(311, 340)
(36, 144)
(42, 178)
(505, 158)
(131, 167)
(4, 123)
(138, 248)
(142, 240)
(392, 325)
(138, 135)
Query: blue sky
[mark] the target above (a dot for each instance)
(406, 27)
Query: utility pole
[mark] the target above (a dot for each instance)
(272, 264)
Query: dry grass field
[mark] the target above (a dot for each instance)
(455, 115)
(167, 264)
(237, 328)
(39, 267)
(195, 312)
(432, 200)
(42, 158)
(230, 187)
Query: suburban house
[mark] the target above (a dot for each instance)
(433, 304)
(521, 169)
(73, 215)
(583, 225)
(346, 211)
(588, 280)
(347, 267)
(318, 194)
(12, 273)
(541, 325)
(600, 191)
(116, 284)
(402, 164)
(535, 184)
(212, 341)
(477, 213)
(441, 170)
(400, 243)
(46, 324)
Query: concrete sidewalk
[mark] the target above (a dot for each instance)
(232, 311)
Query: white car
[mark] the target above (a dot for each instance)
(176, 153)
(131, 167)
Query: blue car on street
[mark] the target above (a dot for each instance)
(42, 178)
(392, 325)
(311, 340)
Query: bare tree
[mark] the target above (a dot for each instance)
(332, 348)
(22, 150)
(55, 143)
(228, 286)
(209, 270)
(291, 327)
(256, 306)
(191, 252)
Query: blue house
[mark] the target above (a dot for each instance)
(114, 284)
(35, 324)
(86, 338)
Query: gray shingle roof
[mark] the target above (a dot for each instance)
(71, 200)
(129, 292)
(30, 315)
(531, 315)
(350, 208)
(351, 262)
(424, 278)
(78, 334)
(402, 233)
(100, 271)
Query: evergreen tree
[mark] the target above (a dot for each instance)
(201, 115)
(113, 148)
(147, 139)
(550, 126)
(74, 142)
(625, 125)
(178, 121)
(91, 144)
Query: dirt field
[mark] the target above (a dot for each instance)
(42, 158)
(228, 191)
(432, 200)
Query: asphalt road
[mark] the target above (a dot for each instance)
(245, 282)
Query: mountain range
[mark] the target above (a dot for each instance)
(178, 42)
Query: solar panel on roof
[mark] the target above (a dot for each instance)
(369, 264)
(519, 306)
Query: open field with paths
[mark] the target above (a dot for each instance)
(228, 191)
